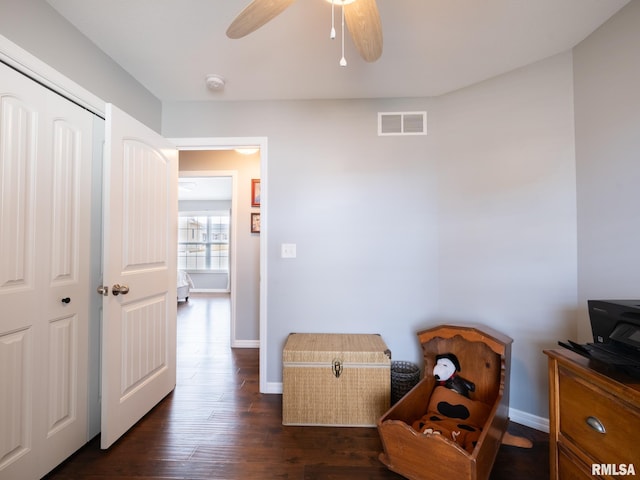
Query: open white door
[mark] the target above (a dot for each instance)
(139, 273)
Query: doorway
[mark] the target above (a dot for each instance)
(207, 226)
(247, 264)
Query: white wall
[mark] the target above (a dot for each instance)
(607, 118)
(38, 28)
(507, 214)
(474, 223)
(360, 208)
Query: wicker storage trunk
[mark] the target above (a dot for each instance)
(485, 357)
(335, 379)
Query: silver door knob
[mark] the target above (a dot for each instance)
(119, 289)
(103, 290)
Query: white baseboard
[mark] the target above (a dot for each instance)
(272, 387)
(209, 290)
(517, 416)
(529, 420)
(245, 344)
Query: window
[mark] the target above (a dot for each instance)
(203, 241)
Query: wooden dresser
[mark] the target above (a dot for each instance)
(594, 419)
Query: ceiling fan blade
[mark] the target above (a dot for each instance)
(363, 22)
(255, 15)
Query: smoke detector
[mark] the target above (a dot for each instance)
(215, 82)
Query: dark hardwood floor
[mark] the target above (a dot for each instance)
(216, 425)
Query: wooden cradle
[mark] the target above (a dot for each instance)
(485, 357)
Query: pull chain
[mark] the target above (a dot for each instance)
(332, 35)
(343, 61)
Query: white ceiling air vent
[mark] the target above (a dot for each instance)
(402, 123)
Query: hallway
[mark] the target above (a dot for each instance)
(216, 425)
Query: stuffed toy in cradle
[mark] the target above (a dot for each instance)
(450, 411)
(446, 373)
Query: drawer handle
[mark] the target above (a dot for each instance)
(596, 424)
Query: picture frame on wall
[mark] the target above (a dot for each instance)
(255, 223)
(255, 192)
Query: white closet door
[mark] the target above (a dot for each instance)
(139, 255)
(45, 172)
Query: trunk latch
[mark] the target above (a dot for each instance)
(336, 367)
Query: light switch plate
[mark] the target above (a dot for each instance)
(288, 250)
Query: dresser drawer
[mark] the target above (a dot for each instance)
(580, 401)
(569, 468)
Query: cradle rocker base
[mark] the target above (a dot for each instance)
(516, 441)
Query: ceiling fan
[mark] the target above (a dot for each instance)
(361, 16)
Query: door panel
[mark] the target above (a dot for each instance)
(140, 235)
(44, 238)
(67, 217)
(16, 372)
(20, 132)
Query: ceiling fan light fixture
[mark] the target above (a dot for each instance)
(247, 150)
(341, 2)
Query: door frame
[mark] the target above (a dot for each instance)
(31, 66)
(229, 143)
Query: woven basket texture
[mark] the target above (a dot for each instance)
(325, 347)
(404, 376)
(314, 395)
